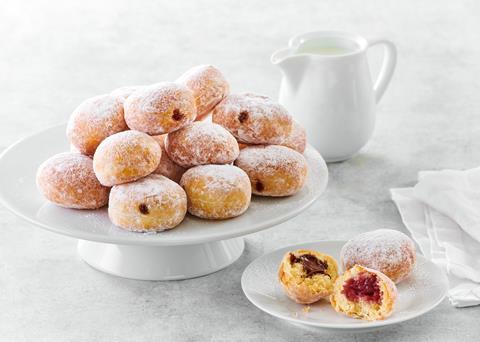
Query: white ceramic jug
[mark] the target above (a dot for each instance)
(328, 88)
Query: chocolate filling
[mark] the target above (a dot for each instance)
(311, 264)
(177, 116)
(243, 116)
(259, 186)
(143, 208)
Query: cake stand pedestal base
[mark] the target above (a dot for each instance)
(161, 262)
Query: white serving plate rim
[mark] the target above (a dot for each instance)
(127, 237)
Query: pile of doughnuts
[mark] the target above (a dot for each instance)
(152, 153)
(373, 262)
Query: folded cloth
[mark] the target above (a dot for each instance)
(440, 214)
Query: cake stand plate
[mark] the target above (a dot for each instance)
(196, 247)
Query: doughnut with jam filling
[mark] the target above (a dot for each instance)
(364, 293)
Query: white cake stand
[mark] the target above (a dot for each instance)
(194, 248)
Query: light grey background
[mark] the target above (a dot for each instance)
(56, 53)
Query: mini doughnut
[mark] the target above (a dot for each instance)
(253, 119)
(167, 167)
(201, 143)
(216, 191)
(208, 85)
(67, 179)
(160, 108)
(297, 140)
(94, 120)
(388, 251)
(273, 170)
(123, 92)
(125, 157)
(364, 293)
(307, 276)
(151, 204)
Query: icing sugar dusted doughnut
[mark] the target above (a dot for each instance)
(94, 120)
(125, 157)
(123, 92)
(297, 139)
(201, 143)
(254, 119)
(273, 170)
(167, 167)
(216, 191)
(154, 203)
(208, 85)
(67, 179)
(160, 108)
(388, 251)
(307, 276)
(364, 293)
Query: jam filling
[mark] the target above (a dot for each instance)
(259, 186)
(243, 116)
(177, 116)
(143, 208)
(363, 287)
(311, 264)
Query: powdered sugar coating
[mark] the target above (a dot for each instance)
(67, 179)
(153, 203)
(125, 157)
(253, 118)
(123, 93)
(160, 108)
(167, 167)
(208, 85)
(388, 251)
(273, 170)
(201, 143)
(216, 191)
(297, 139)
(94, 120)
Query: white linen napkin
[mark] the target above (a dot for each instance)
(440, 213)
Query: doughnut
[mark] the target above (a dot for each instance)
(297, 140)
(273, 170)
(364, 293)
(388, 251)
(151, 204)
(125, 157)
(216, 191)
(208, 85)
(167, 167)
(253, 119)
(67, 179)
(123, 92)
(93, 120)
(201, 143)
(160, 108)
(307, 276)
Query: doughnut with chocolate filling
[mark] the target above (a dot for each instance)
(364, 293)
(160, 108)
(253, 118)
(208, 85)
(273, 170)
(307, 276)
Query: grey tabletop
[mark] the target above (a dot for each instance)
(57, 53)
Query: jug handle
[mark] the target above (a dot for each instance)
(388, 66)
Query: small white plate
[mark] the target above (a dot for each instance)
(421, 292)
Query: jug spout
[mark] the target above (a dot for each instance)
(292, 66)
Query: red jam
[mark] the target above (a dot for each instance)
(363, 287)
